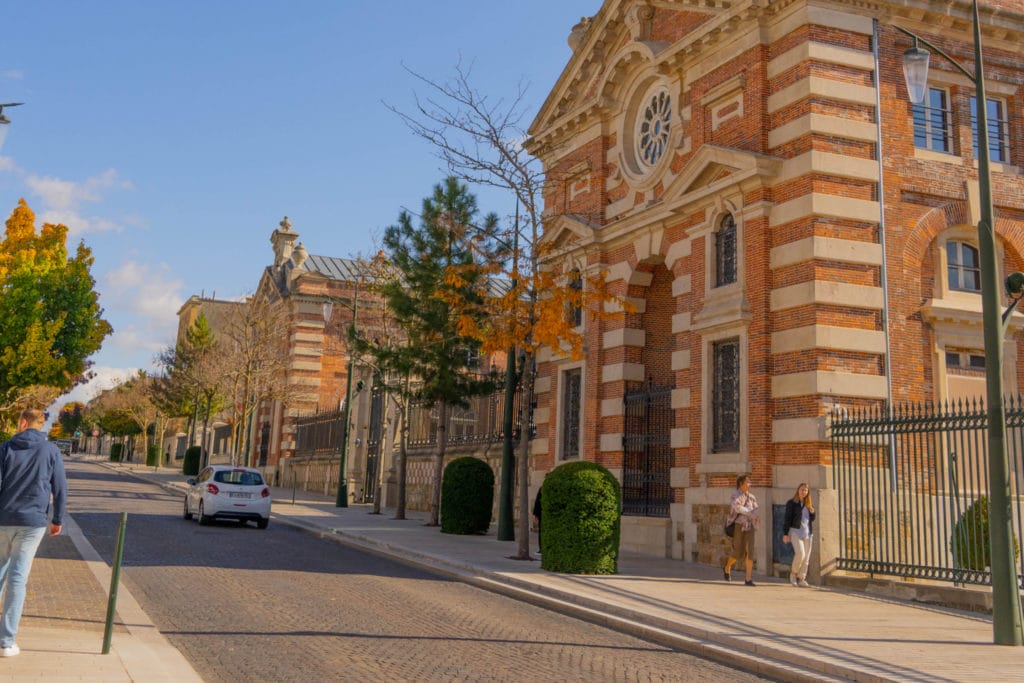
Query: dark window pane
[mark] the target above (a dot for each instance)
(725, 425)
(725, 252)
(572, 385)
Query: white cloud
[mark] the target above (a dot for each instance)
(151, 292)
(6, 164)
(13, 74)
(142, 303)
(62, 200)
(104, 378)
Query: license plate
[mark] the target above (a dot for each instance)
(234, 494)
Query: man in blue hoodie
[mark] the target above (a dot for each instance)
(31, 471)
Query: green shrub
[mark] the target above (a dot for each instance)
(970, 541)
(152, 455)
(467, 496)
(580, 517)
(190, 466)
(116, 449)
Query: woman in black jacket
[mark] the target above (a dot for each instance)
(799, 523)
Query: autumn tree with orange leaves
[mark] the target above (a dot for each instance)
(479, 140)
(52, 320)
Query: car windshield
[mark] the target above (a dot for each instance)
(240, 477)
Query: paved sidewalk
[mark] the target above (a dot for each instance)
(62, 625)
(790, 633)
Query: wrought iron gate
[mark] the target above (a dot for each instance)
(647, 451)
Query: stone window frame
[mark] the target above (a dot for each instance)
(642, 176)
(714, 225)
(725, 461)
(717, 383)
(955, 315)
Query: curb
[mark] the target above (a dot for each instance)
(772, 662)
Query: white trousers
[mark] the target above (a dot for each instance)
(801, 554)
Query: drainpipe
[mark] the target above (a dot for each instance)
(885, 258)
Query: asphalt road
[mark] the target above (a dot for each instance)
(244, 604)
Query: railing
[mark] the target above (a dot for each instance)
(319, 434)
(481, 422)
(913, 490)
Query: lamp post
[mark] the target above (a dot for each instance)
(4, 121)
(1006, 609)
(341, 500)
(506, 522)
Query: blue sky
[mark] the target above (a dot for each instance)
(173, 136)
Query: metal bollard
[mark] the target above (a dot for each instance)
(115, 578)
(293, 488)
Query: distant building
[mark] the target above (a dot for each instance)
(317, 350)
(795, 240)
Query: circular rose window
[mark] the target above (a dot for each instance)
(653, 125)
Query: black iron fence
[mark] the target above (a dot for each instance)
(319, 434)
(480, 423)
(913, 490)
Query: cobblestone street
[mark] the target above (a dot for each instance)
(243, 604)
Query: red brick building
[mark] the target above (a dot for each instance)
(797, 239)
(298, 284)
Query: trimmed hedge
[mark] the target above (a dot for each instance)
(580, 514)
(190, 466)
(467, 496)
(152, 455)
(116, 450)
(970, 541)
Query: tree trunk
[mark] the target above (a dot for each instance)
(442, 446)
(523, 465)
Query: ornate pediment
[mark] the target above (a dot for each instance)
(712, 168)
(564, 233)
(608, 49)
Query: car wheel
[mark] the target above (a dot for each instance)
(186, 514)
(203, 519)
(262, 522)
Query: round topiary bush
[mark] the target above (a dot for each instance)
(190, 466)
(152, 455)
(116, 449)
(467, 496)
(970, 541)
(580, 506)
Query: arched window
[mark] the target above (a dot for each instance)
(725, 252)
(963, 271)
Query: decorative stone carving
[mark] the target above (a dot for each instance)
(282, 241)
(578, 32)
(639, 20)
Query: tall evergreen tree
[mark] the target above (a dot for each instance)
(443, 259)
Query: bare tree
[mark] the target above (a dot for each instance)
(480, 140)
(254, 358)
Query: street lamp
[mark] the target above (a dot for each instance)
(341, 499)
(4, 121)
(1006, 609)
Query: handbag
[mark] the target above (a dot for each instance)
(730, 528)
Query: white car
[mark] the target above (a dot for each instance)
(226, 492)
